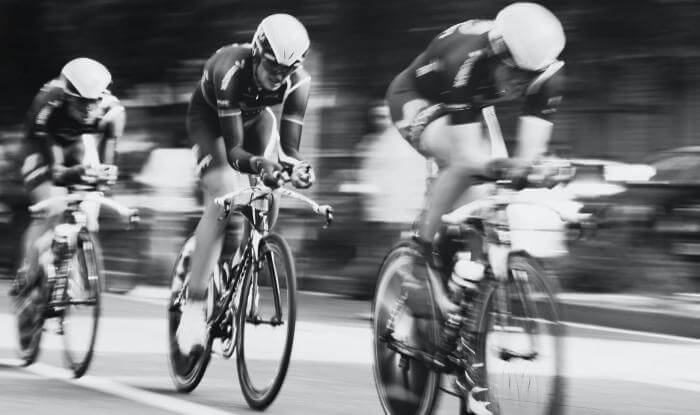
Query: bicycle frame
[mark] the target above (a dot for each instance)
(79, 216)
(255, 212)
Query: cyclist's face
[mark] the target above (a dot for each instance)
(271, 75)
(83, 109)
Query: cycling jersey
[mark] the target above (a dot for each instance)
(459, 72)
(228, 99)
(52, 136)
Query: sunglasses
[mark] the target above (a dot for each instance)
(275, 68)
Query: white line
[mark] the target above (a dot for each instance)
(99, 384)
(634, 332)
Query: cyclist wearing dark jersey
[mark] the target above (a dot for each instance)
(233, 123)
(54, 149)
(436, 103)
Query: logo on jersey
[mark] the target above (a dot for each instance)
(464, 72)
(43, 115)
(470, 27)
(425, 69)
(229, 74)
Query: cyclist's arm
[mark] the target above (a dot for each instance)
(292, 121)
(112, 126)
(42, 158)
(535, 123)
(231, 119)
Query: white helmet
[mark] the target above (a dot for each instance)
(281, 38)
(532, 34)
(86, 78)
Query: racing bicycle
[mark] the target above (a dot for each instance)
(251, 300)
(505, 343)
(68, 287)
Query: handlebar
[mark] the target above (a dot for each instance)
(124, 211)
(257, 192)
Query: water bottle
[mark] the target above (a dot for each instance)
(466, 274)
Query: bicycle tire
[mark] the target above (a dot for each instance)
(31, 304)
(89, 272)
(384, 368)
(186, 371)
(261, 398)
(544, 311)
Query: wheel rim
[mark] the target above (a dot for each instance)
(522, 386)
(80, 318)
(410, 390)
(264, 349)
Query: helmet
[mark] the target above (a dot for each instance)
(533, 35)
(86, 78)
(282, 39)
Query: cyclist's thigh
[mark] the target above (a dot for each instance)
(262, 135)
(456, 145)
(222, 179)
(404, 102)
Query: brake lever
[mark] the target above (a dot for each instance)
(329, 216)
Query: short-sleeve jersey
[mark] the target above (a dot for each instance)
(458, 70)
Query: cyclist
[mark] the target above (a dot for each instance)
(437, 100)
(235, 132)
(54, 155)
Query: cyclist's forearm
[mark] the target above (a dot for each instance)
(243, 161)
(108, 153)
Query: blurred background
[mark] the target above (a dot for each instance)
(628, 119)
(633, 91)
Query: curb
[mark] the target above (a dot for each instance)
(672, 323)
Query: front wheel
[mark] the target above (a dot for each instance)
(82, 311)
(520, 343)
(266, 322)
(29, 310)
(405, 326)
(186, 370)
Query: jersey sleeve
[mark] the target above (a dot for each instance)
(38, 158)
(293, 112)
(224, 71)
(111, 125)
(545, 92)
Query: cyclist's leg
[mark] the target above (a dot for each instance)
(459, 154)
(37, 237)
(217, 178)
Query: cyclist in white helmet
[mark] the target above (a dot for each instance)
(233, 124)
(436, 103)
(76, 102)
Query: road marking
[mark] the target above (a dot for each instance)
(179, 406)
(633, 332)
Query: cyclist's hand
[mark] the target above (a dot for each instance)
(303, 175)
(550, 171)
(90, 175)
(272, 173)
(108, 173)
(512, 169)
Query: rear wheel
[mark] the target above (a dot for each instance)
(266, 323)
(186, 370)
(81, 315)
(520, 343)
(405, 384)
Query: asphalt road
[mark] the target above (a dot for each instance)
(608, 371)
